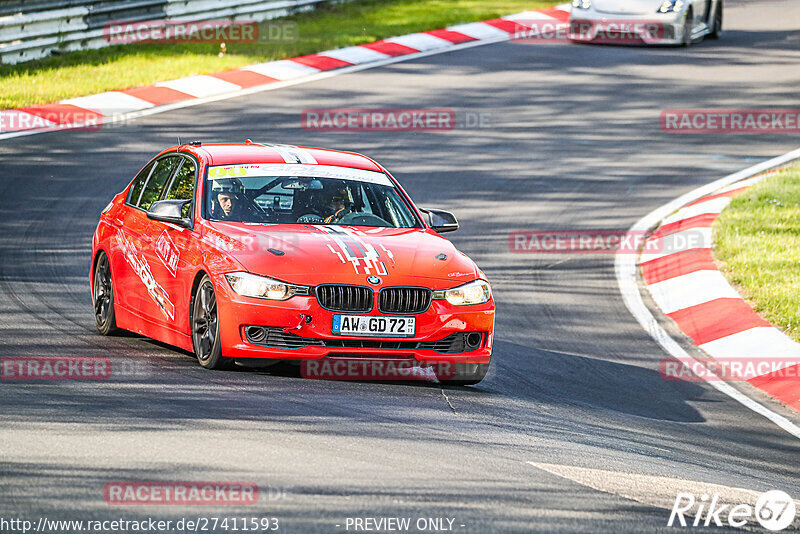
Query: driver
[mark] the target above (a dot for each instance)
(229, 194)
(338, 204)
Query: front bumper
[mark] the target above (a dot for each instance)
(659, 29)
(236, 313)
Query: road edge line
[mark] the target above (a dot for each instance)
(625, 271)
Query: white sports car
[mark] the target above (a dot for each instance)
(665, 22)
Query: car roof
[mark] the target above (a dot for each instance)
(248, 152)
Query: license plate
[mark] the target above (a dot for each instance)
(374, 325)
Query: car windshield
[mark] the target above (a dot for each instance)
(306, 194)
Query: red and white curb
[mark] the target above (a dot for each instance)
(114, 106)
(678, 269)
(685, 283)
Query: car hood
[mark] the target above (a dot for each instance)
(627, 7)
(318, 254)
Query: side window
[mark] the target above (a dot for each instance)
(138, 184)
(155, 185)
(182, 187)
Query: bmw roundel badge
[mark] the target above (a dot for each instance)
(374, 280)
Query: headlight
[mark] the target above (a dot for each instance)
(261, 287)
(582, 4)
(476, 292)
(670, 6)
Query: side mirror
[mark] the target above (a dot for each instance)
(170, 211)
(440, 221)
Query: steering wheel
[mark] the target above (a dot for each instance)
(362, 219)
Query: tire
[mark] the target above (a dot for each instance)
(103, 291)
(205, 327)
(466, 374)
(687, 28)
(716, 33)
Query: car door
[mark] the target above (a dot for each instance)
(129, 222)
(170, 254)
(146, 297)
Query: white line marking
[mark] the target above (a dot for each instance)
(691, 238)
(282, 69)
(739, 185)
(761, 342)
(690, 290)
(109, 103)
(715, 205)
(446, 398)
(625, 267)
(421, 41)
(529, 16)
(355, 54)
(478, 30)
(200, 86)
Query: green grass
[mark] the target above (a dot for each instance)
(758, 247)
(330, 26)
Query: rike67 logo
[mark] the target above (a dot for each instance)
(774, 510)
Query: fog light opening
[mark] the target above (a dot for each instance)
(256, 334)
(474, 340)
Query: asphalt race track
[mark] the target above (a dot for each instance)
(571, 141)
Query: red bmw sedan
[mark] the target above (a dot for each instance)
(250, 253)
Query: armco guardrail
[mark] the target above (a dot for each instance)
(38, 28)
